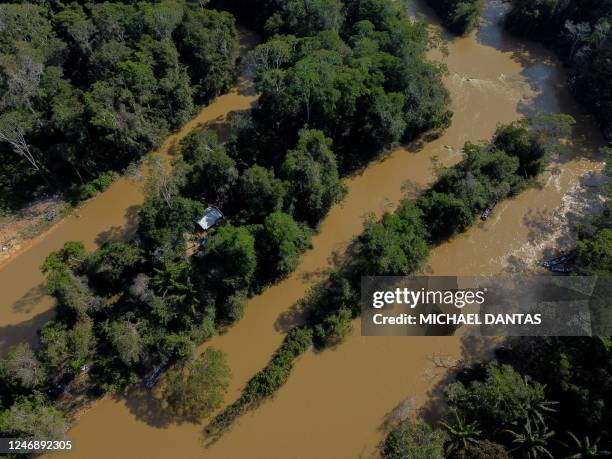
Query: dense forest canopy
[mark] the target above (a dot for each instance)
(399, 243)
(363, 81)
(88, 87)
(337, 87)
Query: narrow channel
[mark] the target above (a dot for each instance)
(341, 397)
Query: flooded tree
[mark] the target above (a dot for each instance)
(198, 388)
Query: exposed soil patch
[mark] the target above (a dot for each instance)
(18, 228)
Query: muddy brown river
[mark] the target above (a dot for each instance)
(336, 403)
(111, 215)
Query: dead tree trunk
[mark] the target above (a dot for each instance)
(13, 135)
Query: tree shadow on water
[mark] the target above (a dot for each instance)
(121, 233)
(292, 317)
(30, 300)
(149, 409)
(474, 349)
(26, 331)
(542, 69)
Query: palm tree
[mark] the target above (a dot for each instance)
(461, 433)
(536, 406)
(586, 448)
(532, 442)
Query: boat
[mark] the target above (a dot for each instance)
(559, 260)
(485, 213)
(152, 380)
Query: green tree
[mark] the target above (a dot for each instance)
(414, 439)
(396, 245)
(70, 256)
(81, 342)
(230, 252)
(281, 243)
(113, 263)
(586, 448)
(162, 225)
(307, 17)
(460, 16)
(210, 171)
(196, 390)
(208, 43)
(312, 174)
(33, 417)
(173, 282)
(505, 398)
(74, 26)
(516, 139)
(462, 434)
(532, 440)
(67, 349)
(334, 328)
(54, 347)
(127, 341)
(161, 19)
(234, 305)
(594, 254)
(260, 193)
(484, 449)
(72, 293)
(445, 214)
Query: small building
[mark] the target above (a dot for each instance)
(212, 215)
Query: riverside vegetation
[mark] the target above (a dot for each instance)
(399, 243)
(581, 32)
(88, 87)
(334, 93)
(458, 16)
(539, 397)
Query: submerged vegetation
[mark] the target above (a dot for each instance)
(334, 93)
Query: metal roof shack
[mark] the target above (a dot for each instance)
(211, 216)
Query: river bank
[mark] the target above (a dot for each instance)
(109, 216)
(335, 403)
(19, 230)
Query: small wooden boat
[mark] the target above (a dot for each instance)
(559, 260)
(485, 213)
(152, 380)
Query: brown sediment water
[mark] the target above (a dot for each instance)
(336, 402)
(111, 215)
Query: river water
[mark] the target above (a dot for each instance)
(336, 403)
(109, 216)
